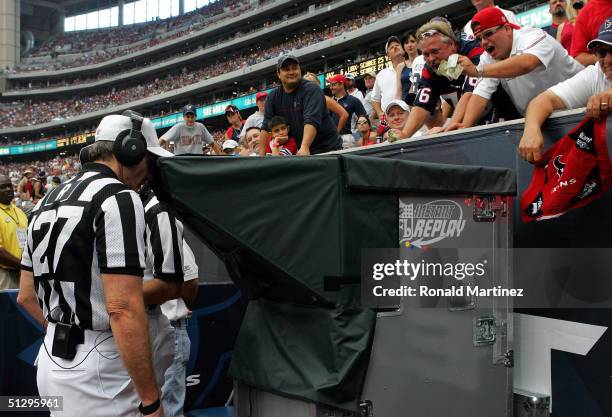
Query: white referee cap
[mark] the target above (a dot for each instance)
(110, 127)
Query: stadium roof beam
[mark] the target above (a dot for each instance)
(46, 3)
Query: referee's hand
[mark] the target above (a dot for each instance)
(530, 147)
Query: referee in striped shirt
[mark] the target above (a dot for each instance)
(170, 276)
(84, 262)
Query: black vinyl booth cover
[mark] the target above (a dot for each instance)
(290, 232)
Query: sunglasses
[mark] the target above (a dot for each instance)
(362, 122)
(429, 33)
(487, 34)
(602, 51)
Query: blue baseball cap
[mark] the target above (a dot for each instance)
(604, 35)
(286, 58)
(190, 108)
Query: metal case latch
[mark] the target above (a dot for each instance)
(484, 331)
(486, 209)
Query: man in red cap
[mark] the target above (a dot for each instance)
(351, 104)
(483, 4)
(524, 60)
(256, 119)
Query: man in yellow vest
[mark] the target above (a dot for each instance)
(13, 232)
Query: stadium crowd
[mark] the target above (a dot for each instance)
(37, 112)
(403, 98)
(126, 67)
(104, 44)
(31, 180)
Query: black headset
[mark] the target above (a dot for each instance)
(130, 146)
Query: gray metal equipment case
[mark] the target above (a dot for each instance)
(454, 359)
(440, 358)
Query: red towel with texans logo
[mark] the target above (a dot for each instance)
(571, 174)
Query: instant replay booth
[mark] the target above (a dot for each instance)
(292, 231)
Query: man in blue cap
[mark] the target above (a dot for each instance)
(591, 87)
(303, 105)
(189, 136)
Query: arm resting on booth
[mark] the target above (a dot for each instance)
(532, 142)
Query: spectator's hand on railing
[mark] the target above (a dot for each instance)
(599, 105)
(434, 130)
(454, 126)
(530, 147)
(303, 151)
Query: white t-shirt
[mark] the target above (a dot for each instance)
(254, 120)
(467, 29)
(176, 309)
(385, 86)
(188, 139)
(556, 66)
(357, 93)
(576, 91)
(367, 104)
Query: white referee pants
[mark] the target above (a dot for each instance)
(96, 383)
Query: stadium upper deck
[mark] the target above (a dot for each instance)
(204, 43)
(108, 53)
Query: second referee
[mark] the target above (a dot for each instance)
(84, 258)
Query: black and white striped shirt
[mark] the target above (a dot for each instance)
(87, 226)
(164, 240)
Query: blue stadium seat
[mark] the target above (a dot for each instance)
(212, 412)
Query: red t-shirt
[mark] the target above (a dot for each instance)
(566, 35)
(234, 134)
(591, 17)
(289, 148)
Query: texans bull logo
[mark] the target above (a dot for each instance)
(559, 165)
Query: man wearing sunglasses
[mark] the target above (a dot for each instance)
(524, 60)
(437, 42)
(591, 87)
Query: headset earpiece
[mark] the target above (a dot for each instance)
(130, 146)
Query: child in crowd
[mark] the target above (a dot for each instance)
(280, 143)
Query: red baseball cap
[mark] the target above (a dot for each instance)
(338, 78)
(261, 95)
(490, 17)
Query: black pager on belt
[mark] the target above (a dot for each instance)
(66, 339)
